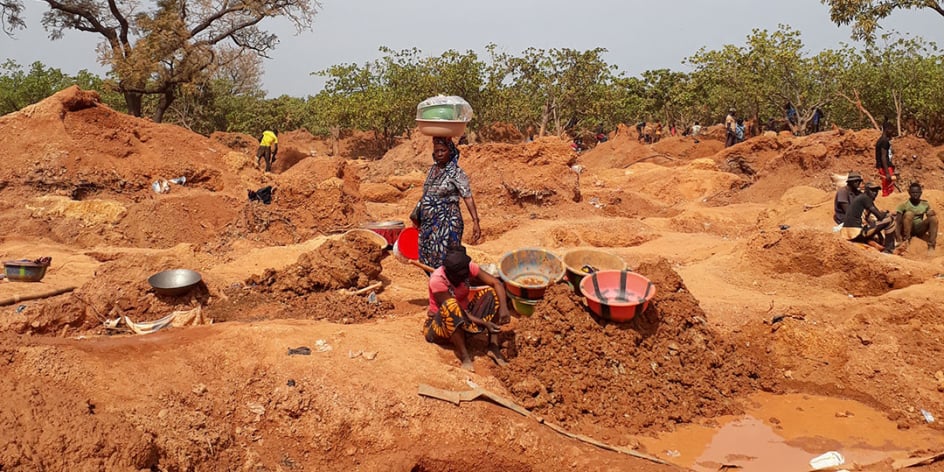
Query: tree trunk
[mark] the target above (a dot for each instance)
(858, 104)
(897, 99)
(134, 101)
(166, 99)
(545, 116)
(335, 138)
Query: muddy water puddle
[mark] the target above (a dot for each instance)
(783, 432)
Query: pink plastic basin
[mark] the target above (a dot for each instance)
(617, 295)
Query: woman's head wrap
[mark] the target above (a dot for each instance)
(453, 150)
(456, 264)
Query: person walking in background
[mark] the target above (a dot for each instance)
(739, 130)
(730, 127)
(916, 218)
(883, 161)
(696, 130)
(817, 119)
(437, 215)
(268, 148)
(791, 113)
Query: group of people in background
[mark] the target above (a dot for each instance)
(650, 133)
(861, 221)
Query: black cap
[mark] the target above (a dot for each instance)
(872, 186)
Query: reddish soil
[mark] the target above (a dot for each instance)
(755, 293)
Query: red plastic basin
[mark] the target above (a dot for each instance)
(617, 295)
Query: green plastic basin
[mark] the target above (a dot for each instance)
(439, 112)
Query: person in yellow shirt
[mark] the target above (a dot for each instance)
(268, 148)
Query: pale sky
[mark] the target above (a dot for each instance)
(638, 35)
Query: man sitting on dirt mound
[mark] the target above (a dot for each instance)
(455, 310)
(845, 195)
(852, 225)
(916, 218)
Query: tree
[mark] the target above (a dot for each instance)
(864, 15)
(561, 84)
(19, 88)
(176, 43)
(230, 100)
(771, 71)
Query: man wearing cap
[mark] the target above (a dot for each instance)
(845, 195)
(730, 127)
(916, 218)
(853, 229)
(455, 310)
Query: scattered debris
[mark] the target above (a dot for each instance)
(299, 351)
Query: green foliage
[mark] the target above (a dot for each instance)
(546, 91)
(864, 15)
(157, 50)
(19, 87)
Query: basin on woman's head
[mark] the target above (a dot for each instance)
(617, 295)
(441, 128)
(528, 272)
(580, 262)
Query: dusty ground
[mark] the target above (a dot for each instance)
(755, 295)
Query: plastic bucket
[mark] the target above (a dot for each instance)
(408, 243)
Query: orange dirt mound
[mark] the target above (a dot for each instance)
(830, 262)
(351, 262)
(666, 367)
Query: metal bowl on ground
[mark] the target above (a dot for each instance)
(390, 230)
(528, 272)
(617, 295)
(580, 262)
(175, 281)
(24, 271)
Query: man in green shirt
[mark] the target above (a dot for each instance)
(916, 218)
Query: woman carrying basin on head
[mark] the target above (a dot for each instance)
(437, 214)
